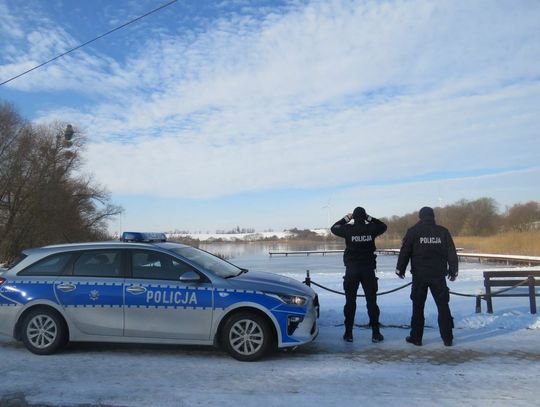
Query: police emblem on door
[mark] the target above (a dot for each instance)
(94, 295)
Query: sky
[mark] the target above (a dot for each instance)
(267, 114)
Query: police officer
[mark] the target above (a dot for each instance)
(433, 256)
(360, 265)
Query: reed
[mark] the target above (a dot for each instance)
(519, 243)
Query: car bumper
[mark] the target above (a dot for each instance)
(303, 332)
(8, 318)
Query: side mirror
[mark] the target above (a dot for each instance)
(190, 277)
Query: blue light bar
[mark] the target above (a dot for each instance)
(143, 237)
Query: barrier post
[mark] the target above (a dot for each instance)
(478, 304)
(307, 281)
(488, 295)
(532, 294)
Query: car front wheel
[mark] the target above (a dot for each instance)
(43, 332)
(246, 336)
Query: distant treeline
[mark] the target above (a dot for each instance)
(236, 230)
(233, 231)
(480, 217)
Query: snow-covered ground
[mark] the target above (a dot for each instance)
(495, 360)
(246, 237)
(228, 236)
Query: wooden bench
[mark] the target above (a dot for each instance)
(504, 280)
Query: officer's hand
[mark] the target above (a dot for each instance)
(400, 274)
(349, 215)
(452, 278)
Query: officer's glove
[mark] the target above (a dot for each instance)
(400, 274)
(452, 277)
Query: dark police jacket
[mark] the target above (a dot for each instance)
(359, 240)
(431, 250)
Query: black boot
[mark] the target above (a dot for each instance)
(376, 335)
(414, 341)
(347, 336)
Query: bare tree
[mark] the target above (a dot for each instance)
(43, 197)
(478, 217)
(521, 217)
(481, 218)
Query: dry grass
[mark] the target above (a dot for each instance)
(522, 243)
(519, 243)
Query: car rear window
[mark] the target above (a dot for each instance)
(98, 263)
(50, 266)
(16, 261)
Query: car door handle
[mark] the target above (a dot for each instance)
(137, 289)
(66, 287)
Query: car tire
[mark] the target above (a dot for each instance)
(246, 336)
(43, 331)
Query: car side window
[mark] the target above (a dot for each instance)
(98, 263)
(50, 266)
(158, 266)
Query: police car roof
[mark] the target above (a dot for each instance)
(112, 244)
(32, 255)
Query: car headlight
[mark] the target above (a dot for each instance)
(289, 299)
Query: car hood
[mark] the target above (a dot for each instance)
(270, 282)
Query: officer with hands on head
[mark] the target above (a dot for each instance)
(360, 264)
(433, 256)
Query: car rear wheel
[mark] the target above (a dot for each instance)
(43, 331)
(246, 336)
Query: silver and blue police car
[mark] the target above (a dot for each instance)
(144, 289)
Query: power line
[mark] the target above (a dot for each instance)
(92, 40)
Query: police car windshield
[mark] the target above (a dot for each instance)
(209, 262)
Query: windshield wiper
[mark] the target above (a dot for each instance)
(242, 271)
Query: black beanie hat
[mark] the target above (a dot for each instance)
(359, 213)
(426, 213)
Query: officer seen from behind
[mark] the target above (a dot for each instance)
(433, 256)
(360, 265)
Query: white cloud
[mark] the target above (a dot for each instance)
(9, 24)
(334, 93)
(399, 139)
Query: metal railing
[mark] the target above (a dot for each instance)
(481, 257)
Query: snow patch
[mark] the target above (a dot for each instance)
(535, 324)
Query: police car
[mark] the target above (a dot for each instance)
(144, 289)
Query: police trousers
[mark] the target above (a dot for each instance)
(441, 295)
(356, 274)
